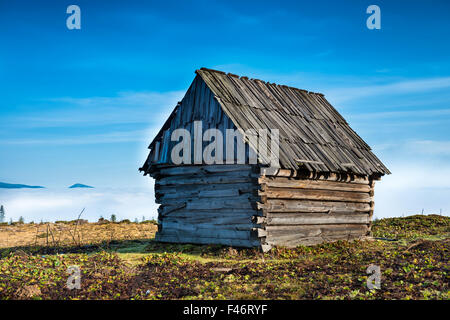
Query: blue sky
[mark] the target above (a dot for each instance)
(82, 105)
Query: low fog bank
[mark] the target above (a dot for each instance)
(66, 204)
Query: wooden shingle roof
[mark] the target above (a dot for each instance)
(313, 135)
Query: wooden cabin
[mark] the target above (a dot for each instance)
(321, 189)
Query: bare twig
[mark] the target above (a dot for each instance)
(75, 230)
(51, 233)
(36, 237)
(414, 245)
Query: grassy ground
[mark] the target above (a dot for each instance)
(72, 233)
(127, 264)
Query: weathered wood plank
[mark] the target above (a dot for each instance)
(162, 197)
(193, 226)
(225, 222)
(232, 177)
(192, 195)
(307, 194)
(316, 218)
(202, 240)
(277, 205)
(223, 212)
(241, 187)
(244, 201)
(202, 169)
(189, 231)
(171, 208)
(241, 203)
(209, 204)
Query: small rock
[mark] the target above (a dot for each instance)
(232, 251)
(21, 253)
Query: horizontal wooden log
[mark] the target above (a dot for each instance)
(211, 219)
(307, 194)
(281, 182)
(232, 177)
(201, 240)
(241, 187)
(188, 231)
(202, 170)
(171, 208)
(277, 205)
(209, 194)
(162, 197)
(210, 226)
(244, 201)
(315, 218)
(241, 202)
(229, 220)
(224, 212)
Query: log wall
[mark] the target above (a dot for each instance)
(237, 205)
(310, 211)
(214, 204)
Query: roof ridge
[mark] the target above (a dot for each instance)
(255, 79)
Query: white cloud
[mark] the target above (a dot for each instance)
(125, 108)
(410, 152)
(401, 114)
(339, 95)
(102, 114)
(66, 204)
(430, 147)
(413, 174)
(411, 188)
(396, 202)
(418, 180)
(108, 137)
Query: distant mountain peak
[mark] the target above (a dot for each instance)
(79, 185)
(17, 186)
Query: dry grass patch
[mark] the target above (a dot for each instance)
(72, 233)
